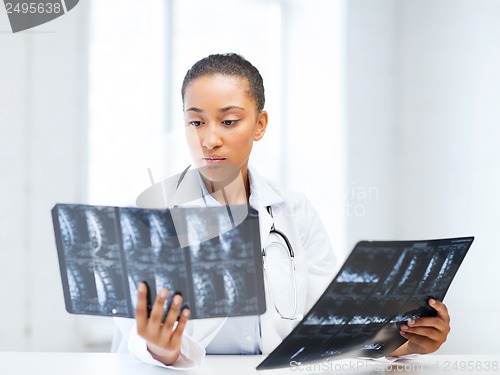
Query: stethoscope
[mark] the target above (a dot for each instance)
(289, 249)
(284, 239)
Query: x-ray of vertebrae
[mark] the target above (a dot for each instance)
(91, 250)
(380, 286)
(223, 267)
(105, 252)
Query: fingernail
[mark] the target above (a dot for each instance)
(402, 333)
(404, 327)
(163, 293)
(186, 313)
(177, 300)
(411, 322)
(432, 301)
(141, 288)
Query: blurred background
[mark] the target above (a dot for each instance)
(384, 112)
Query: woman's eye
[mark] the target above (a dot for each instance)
(195, 123)
(229, 122)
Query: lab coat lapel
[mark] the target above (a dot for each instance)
(262, 196)
(265, 225)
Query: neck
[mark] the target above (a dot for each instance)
(233, 191)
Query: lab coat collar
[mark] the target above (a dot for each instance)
(262, 193)
(177, 190)
(186, 191)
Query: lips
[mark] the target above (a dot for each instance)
(213, 159)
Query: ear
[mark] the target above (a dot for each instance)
(260, 127)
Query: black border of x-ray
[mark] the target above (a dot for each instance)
(257, 264)
(278, 359)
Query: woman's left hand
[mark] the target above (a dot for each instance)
(427, 334)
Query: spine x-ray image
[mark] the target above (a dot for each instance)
(381, 285)
(105, 252)
(90, 249)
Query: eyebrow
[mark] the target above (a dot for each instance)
(225, 109)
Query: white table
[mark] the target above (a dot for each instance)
(27, 363)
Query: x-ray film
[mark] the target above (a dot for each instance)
(105, 252)
(380, 286)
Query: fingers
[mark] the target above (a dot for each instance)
(141, 312)
(154, 327)
(434, 323)
(427, 334)
(435, 332)
(173, 312)
(177, 335)
(441, 309)
(163, 339)
(426, 325)
(158, 307)
(421, 344)
(149, 327)
(173, 317)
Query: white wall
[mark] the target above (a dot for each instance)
(43, 127)
(424, 88)
(313, 137)
(370, 66)
(448, 167)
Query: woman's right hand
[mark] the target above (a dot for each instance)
(163, 338)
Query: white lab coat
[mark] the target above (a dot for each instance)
(316, 264)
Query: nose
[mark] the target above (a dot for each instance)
(211, 138)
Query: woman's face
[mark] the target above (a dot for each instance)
(222, 123)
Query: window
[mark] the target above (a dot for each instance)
(139, 54)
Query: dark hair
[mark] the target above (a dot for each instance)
(229, 64)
